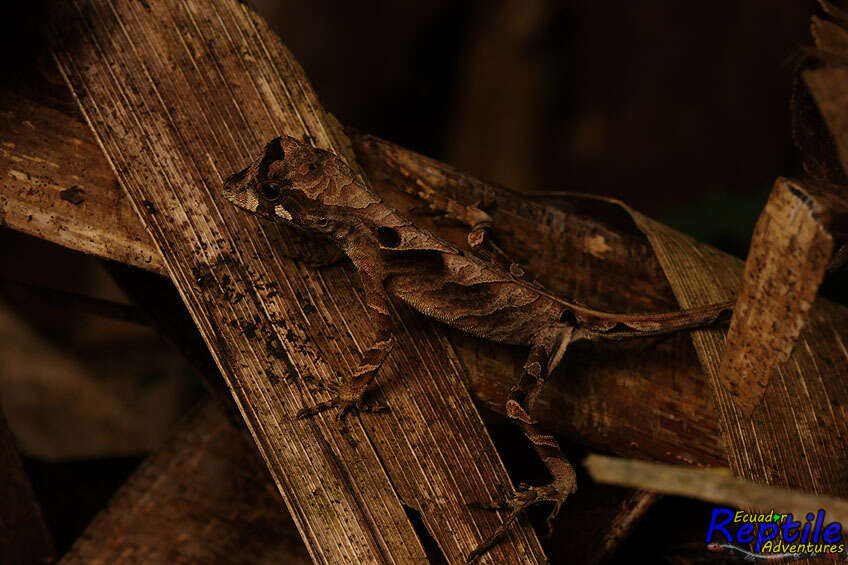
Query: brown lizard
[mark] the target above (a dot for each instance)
(316, 191)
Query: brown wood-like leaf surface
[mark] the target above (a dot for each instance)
(46, 153)
(646, 399)
(797, 436)
(820, 115)
(820, 98)
(202, 498)
(181, 94)
(712, 485)
(790, 251)
(660, 424)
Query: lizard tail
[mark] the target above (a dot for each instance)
(604, 325)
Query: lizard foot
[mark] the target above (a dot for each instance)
(345, 401)
(525, 497)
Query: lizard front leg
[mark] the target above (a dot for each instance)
(481, 226)
(545, 354)
(481, 239)
(349, 394)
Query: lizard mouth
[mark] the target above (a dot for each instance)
(241, 198)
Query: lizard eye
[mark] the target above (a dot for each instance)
(322, 222)
(270, 190)
(388, 237)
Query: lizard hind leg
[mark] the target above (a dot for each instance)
(481, 240)
(545, 354)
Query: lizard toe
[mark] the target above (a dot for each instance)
(556, 492)
(316, 409)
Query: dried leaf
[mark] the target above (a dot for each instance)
(789, 254)
(713, 486)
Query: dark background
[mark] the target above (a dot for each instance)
(681, 109)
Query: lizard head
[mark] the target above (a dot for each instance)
(292, 183)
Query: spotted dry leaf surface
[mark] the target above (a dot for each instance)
(181, 94)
